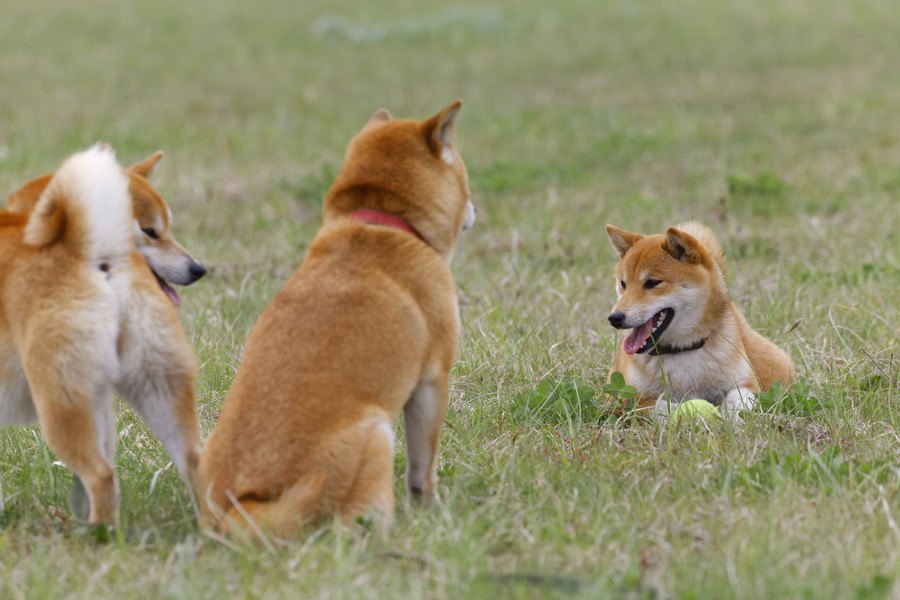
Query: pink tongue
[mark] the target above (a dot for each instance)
(169, 292)
(638, 337)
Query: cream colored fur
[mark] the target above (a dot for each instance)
(367, 328)
(734, 361)
(81, 314)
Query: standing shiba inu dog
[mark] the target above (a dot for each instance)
(168, 260)
(81, 313)
(687, 338)
(366, 328)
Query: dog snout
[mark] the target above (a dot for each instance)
(196, 271)
(617, 319)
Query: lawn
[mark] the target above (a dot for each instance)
(776, 123)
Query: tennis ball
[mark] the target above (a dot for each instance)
(691, 411)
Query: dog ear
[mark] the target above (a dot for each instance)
(26, 197)
(683, 246)
(439, 131)
(381, 116)
(146, 167)
(622, 240)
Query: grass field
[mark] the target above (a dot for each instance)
(776, 123)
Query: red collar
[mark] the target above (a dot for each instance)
(377, 217)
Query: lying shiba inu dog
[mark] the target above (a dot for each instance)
(81, 313)
(365, 328)
(687, 339)
(168, 260)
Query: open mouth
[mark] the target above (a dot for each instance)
(170, 293)
(643, 337)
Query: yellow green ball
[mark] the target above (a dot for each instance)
(692, 411)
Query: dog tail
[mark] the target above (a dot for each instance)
(283, 516)
(86, 205)
(705, 236)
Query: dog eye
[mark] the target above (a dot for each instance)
(651, 283)
(623, 284)
(150, 233)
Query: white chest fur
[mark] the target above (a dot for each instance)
(709, 373)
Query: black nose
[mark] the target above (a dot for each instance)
(617, 319)
(197, 271)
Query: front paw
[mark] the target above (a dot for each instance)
(422, 494)
(736, 401)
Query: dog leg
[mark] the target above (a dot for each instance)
(158, 377)
(738, 399)
(372, 493)
(105, 418)
(81, 432)
(165, 401)
(79, 502)
(423, 417)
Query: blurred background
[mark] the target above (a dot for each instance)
(775, 122)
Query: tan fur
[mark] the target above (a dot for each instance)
(735, 361)
(366, 327)
(153, 234)
(79, 318)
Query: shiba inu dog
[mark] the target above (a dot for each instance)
(367, 327)
(687, 339)
(168, 260)
(81, 314)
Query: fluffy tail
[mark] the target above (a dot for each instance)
(87, 206)
(284, 516)
(705, 236)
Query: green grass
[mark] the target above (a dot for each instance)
(774, 122)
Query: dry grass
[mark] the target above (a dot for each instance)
(774, 122)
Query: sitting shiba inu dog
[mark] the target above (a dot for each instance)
(367, 327)
(81, 313)
(168, 260)
(687, 339)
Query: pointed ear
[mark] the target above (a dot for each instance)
(683, 246)
(26, 197)
(146, 167)
(381, 116)
(622, 240)
(439, 131)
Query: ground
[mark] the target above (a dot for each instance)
(776, 123)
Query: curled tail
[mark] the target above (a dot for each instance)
(86, 206)
(283, 516)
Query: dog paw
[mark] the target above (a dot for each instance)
(736, 401)
(419, 495)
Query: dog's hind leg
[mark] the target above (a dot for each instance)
(79, 427)
(165, 401)
(70, 365)
(105, 420)
(423, 417)
(158, 377)
(372, 491)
